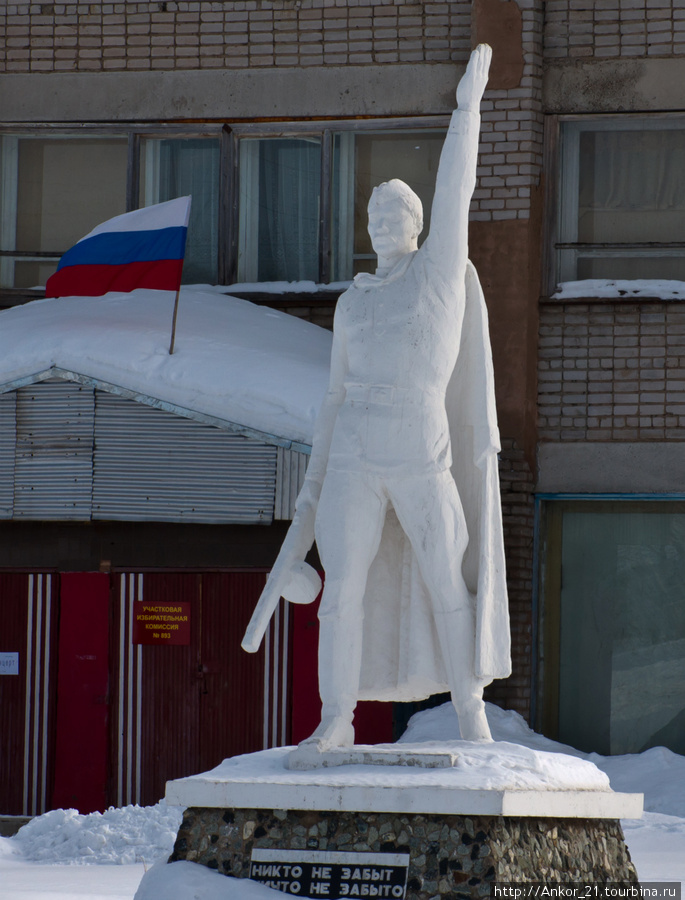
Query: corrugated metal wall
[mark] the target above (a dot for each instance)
(53, 474)
(151, 465)
(86, 454)
(8, 432)
(290, 471)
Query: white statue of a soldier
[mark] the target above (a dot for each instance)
(402, 488)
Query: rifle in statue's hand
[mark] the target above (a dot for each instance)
(291, 577)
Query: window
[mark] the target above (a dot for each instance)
(271, 202)
(368, 160)
(280, 185)
(175, 168)
(54, 190)
(622, 199)
(303, 196)
(612, 648)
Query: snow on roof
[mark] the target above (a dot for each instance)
(287, 287)
(233, 360)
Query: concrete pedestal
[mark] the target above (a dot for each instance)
(501, 814)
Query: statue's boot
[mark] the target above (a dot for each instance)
(457, 634)
(333, 731)
(473, 723)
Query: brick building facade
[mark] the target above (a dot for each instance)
(613, 29)
(193, 35)
(612, 372)
(583, 97)
(610, 379)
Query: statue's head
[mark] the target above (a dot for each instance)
(395, 219)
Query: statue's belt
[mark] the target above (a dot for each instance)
(389, 394)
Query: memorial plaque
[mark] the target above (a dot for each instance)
(331, 874)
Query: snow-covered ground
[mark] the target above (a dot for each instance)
(121, 853)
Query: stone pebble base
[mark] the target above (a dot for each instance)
(451, 857)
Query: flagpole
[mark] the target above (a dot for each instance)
(180, 278)
(173, 324)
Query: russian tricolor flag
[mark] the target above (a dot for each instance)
(140, 249)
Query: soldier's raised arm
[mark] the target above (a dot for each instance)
(447, 242)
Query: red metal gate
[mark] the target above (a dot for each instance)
(178, 710)
(70, 674)
(243, 696)
(28, 642)
(81, 730)
(170, 711)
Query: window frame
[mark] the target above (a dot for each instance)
(229, 133)
(135, 134)
(9, 208)
(548, 583)
(326, 131)
(563, 167)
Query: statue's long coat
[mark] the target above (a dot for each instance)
(401, 653)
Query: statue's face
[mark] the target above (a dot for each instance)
(392, 229)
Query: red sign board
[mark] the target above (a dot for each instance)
(161, 623)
